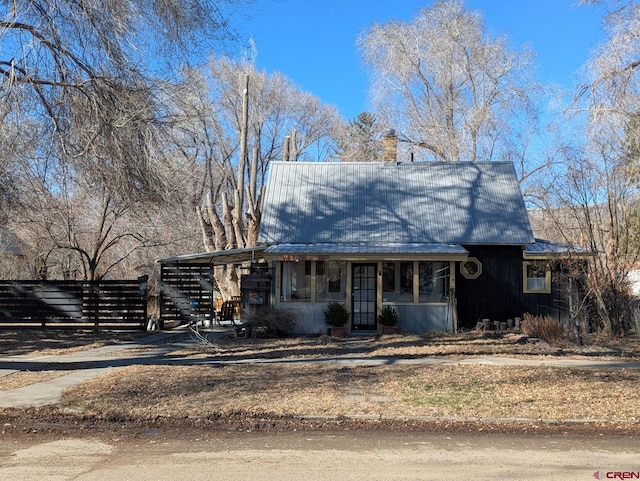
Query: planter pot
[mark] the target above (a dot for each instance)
(389, 329)
(338, 331)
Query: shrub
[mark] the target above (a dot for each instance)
(336, 314)
(388, 316)
(543, 327)
(271, 322)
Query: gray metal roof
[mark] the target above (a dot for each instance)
(545, 249)
(233, 256)
(378, 203)
(350, 250)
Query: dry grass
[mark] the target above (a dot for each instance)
(414, 346)
(452, 390)
(42, 342)
(52, 342)
(148, 392)
(397, 390)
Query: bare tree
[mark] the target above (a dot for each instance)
(84, 69)
(613, 70)
(589, 195)
(610, 102)
(75, 227)
(230, 134)
(590, 203)
(446, 86)
(79, 76)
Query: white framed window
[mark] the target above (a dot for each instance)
(397, 281)
(331, 280)
(536, 277)
(296, 281)
(433, 281)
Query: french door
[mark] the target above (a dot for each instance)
(363, 307)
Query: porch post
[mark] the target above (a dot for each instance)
(349, 292)
(453, 298)
(312, 294)
(379, 293)
(277, 282)
(416, 282)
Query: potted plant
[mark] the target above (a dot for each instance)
(388, 318)
(336, 315)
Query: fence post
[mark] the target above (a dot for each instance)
(143, 282)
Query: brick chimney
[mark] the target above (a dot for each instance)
(390, 147)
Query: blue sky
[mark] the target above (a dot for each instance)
(313, 42)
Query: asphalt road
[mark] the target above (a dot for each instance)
(318, 456)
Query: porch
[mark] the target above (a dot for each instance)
(413, 279)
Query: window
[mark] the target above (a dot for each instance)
(296, 281)
(388, 277)
(471, 268)
(537, 277)
(433, 281)
(331, 280)
(397, 281)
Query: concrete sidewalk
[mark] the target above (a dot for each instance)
(87, 364)
(83, 365)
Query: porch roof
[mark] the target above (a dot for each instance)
(391, 251)
(543, 249)
(232, 256)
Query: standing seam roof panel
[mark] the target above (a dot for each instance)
(459, 203)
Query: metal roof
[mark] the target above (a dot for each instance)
(390, 251)
(545, 249)
(378, 203)
(232, 256)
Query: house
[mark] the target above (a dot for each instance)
(445, 244)
(10, 245)
(13, 263)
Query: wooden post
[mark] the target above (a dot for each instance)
(453, 298)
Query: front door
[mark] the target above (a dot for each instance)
(363, 307)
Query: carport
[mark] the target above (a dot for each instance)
(187, 284)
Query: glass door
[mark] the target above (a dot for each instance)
(363, 308)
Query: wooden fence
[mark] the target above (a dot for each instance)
(186, 293)
(114, 304)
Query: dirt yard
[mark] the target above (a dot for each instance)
(295, 395)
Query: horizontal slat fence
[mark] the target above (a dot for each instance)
(113, 304)
(186, 293)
